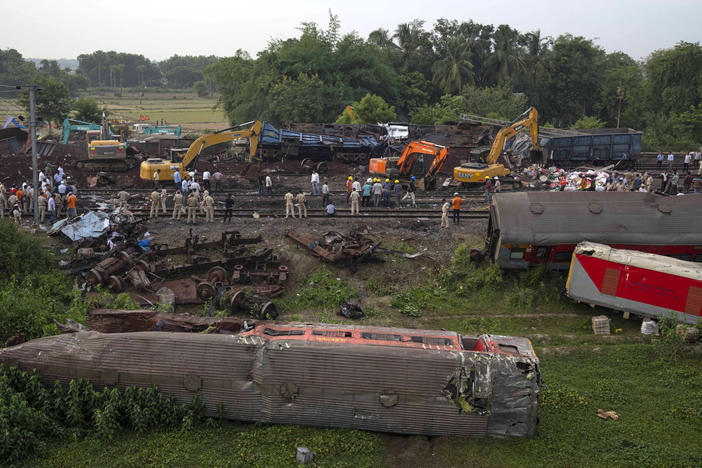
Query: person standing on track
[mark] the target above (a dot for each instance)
(325, 194)
(163, 201)
(177, 179)
(671, 160)
(206, 180)
(355, 199)
(71, 203)
(177, 205)
(387, 192)
(367, 187)
(488, 190)
(456, 204)
(155, 198)
(193, 202)
(301, 204)
(398, 193)
(228, 208)
(315, 183)
(289, 207)
(157, 178)
(209, 208)
(349, 188)
(377, 192)
(411, 188)
(269, 185)
(444, 213)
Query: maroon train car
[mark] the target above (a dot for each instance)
(528, 229)
(641, 283)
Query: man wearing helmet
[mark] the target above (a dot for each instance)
(398, 193)
(411, 188)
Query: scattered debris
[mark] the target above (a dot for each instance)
(304, 455)
(601, 325)
(334, 247)
(649, 327)
(607, 414)
(123, 321)
(351, 309)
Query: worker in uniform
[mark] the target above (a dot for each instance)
(649, 182)
(29, 195)
(209, 208)
(387, 192)
(41, 202)
(155, 198)
(157, 178)
(163, 201)
(377, 192)
(12, 200)
(488, 189)
(367, 188)
(444, 213)
(456, 204)
(496, 186)
(301, 204)
(355, 199)
(192, 208)
(398, 193)
(177, 205)
(411, 188)
(58, 199)
(123, 197)
(17, 213)
(289, 207)
(349, 188)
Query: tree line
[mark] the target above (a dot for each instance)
(422, 75)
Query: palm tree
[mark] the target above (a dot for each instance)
(536, 48)
(454, 70)
(381, 38)
(504, 63)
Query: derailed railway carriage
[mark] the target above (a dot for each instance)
(381, 379)
(528, 229)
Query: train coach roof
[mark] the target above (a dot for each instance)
(648, 261)
(551, 218)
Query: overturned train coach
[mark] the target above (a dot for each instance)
(641, 283)
(381, 379)
(528, 229)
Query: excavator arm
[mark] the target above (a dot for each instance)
(528, 120)
(407, 157)
(223, 136)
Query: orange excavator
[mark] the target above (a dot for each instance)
(421, 159)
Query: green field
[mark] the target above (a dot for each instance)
(177, 108)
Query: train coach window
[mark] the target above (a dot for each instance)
(274, 332)
(431, 340)
(333, 333)
(516, 254)
(540, 252)
(381, 336)
(563, 256)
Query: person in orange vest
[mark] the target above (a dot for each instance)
(71, 203)
(456, 205)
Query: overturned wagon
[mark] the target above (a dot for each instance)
(382, 379)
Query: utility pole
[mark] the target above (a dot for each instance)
(33, 132)
(620, 97)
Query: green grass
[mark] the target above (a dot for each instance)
(176, 108)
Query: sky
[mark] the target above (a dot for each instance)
(160, 29)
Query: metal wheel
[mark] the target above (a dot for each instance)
(267, 312)
(205, 290)
(217, 275)
(116, 284)
(235, 300)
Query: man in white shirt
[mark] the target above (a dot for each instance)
(356, 186)
(206, 180)
(686, 163)
(315, 183)
(269, 185)
(671, 159)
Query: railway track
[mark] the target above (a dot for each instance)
(314, 213)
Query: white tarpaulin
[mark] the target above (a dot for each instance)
(91, 225)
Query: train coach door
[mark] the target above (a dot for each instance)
(538, 255)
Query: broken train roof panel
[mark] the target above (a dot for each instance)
(552, 218)
(648, 261)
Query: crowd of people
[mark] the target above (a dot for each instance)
(57, 195)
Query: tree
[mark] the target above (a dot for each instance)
(87, 110)
(14, 70)
(200, 88)
(587, 121)
(454, 70)
(371, 109)
(675, 77)
(52, 100)
(448, 110)
(505, 63)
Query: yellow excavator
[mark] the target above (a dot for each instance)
(181, 162)
(477, 172)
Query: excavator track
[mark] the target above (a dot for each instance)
(108, 165)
